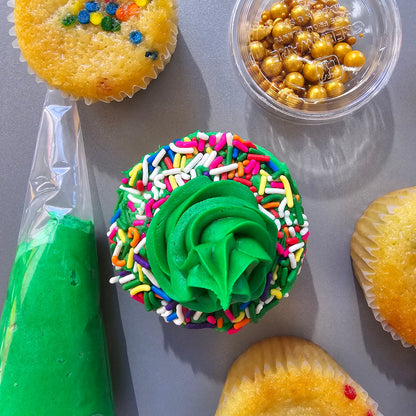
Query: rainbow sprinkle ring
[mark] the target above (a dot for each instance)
(153, 186)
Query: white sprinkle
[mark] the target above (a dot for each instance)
(150, 276)
(296, 247)
(117, 249)
(147, 196)
(156, 211)
(274, 191)
(193, 174)
(193, 163)
(161, 310)
(127, 278)
(166, 314)
(155, 193)
(210, 159)
(141, 217)
(223, 169)
(133, 199)
(145, 168)
(159, 157)
(216, 178)
(202, 136)
(131, 190)
(196, 315)
(305, 224)
(182, 150)
(286, 295)
(112, 226)
(154, 173)
(179, 180)
(292, 260)
(229, 139)
(287, 218)
(278, 225)
(177, 321)
(268, 300)
(218, 136)
(179, 312)
(163, 302)
(174, 171)
(158, 183)
(292, 232)
(264, 211)
(139, 246)
(185, 176)
(281, 208)
(304, 231)
(135, 267)
(247, 311)
(114, 279)
(205, 156)
(259, 307)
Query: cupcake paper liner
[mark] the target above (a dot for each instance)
(363, 245)
(166, 56)
(287, 354)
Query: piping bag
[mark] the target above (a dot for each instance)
(53, 353)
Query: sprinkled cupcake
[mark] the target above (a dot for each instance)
(208, 231)
(98, 50)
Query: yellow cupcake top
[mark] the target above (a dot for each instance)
(98, 50)
(288, 376)
(383, 249)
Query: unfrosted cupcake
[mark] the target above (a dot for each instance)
(288, 376)
(96, 50)
(208, 231)
(383, 251)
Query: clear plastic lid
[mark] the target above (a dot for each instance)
(315, 60)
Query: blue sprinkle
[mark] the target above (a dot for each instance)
(235, 153)
(171, 154)
(152, 55)
(171, 317)
(135, 37)
(115, 216)
(151, 158)
(151, 168)
(84, 16)
(272, 166)
(111, 8)
(92, 6)
(244, 305)
(161, 293)
(166, 147)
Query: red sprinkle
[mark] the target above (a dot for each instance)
(279, 235)
(140, 186)
(291, 241)
(243, 181)
(259, 158)
(350, 392)
(370, 413)
(297, 228)
(249, 144)
(224, 176)
(168, 162)
(258, 198)
(138, 297)
(274, 212)
(240, 146)
(211, 319)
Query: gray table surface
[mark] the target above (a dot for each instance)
(340, 169)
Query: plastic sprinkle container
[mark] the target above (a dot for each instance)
(315, 60)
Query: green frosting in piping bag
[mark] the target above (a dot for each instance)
(210, 246)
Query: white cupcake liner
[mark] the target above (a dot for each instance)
(157, 69)
(287, 354)
(361, 254)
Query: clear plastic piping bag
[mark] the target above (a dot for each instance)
(53, 353)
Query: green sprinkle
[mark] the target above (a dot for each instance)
(147, 303)
(283, 276)
(298, 211)
(272, 198)
(255, 151)
(69, 20)
(241, 157)
(155, 303)
(132, 284)
(252, 309)
(229, 155)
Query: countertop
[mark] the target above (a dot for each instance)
(340, 168)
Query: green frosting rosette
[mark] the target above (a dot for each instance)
(208, 231)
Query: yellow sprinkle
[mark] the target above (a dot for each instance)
(183, 162)
(208, 149)
(277, 293)
(133, 173)
(298, 255)
(77, 7)
(239, 317)
(195, 151)
(141, 3)
(275, 273)
(95, 18)
(288, 191)
(130, 261)
(140, 288)
(186, 139)
(262, 186)
(139, 268)
(172, 181)
(122, 235)
(264, 173)
(177, 160)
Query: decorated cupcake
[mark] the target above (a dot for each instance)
(97, 50)
(288, 376)
(383, 251)
(208, 231)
